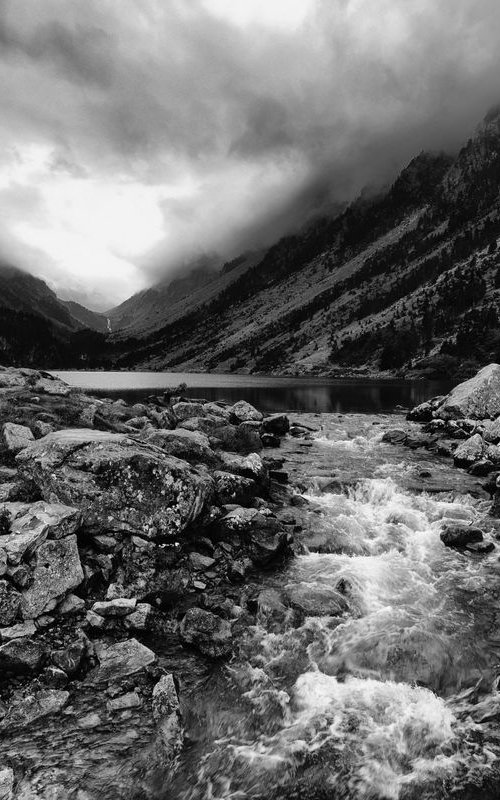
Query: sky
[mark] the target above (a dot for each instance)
(135, 136)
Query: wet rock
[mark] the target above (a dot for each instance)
(185, 410)
(192, 446)
(315, 600)
(118, 607)
(210, 634)
(6, 782)
(121, 659)
(480, 547)
(16, 437)
(21, 655)
(57, 569)
(270, 440)
(244, 412)
(278, 475)
(460, 535)
(421, 413)
(395, 436)
(10, 603)
(232, 488)
(477, 398)
(482, 467)
(277, 423)
(167, 715)
(469, 451)
(235, 438)
(120, 484)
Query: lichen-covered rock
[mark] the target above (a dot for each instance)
(57, 569)
(250, 466)
(118, 607)
(209, 633)
(477, 398)
(469, 451)
(244, 412)
(16, 437)
(47, 384)
(192, 446)
(21, 655)
(54, 519)
(185, 410)
(217, 410)
(11, 378)
(167, 715)
(231, 488)
(120, 484)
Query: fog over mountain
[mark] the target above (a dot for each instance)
(136, 136)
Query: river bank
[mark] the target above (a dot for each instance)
(294, 627)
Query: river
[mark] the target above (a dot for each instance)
(371, 669)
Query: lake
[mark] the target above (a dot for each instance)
(268, 393)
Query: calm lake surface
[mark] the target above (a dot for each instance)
(267, 393)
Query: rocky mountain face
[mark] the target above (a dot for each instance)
(37, 328)
(406, 281)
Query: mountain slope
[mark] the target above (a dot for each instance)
(394, 283)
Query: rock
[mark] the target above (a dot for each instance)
(316, 600)
(236, 438)
(34, 707)
(250, 466)
(57, 569)
(50, 385)
(54, 677)
(217, 410)
(491, 430)
(278, 475)
(192, 446)
(140, 619)
(421, 413)
(469, 451)
(118, 607)
(184, 410)
(54, 519)
(276, 423)
(231, 488)
(200, 562)
(16, 437)
(70, 658)
(89, 721)
(121, 485)
(477, 398)
(167, 715)
(21, 655)
(12, 378)
(121, 659)
(244, 412)
(395, 436)
(8, 491)
(129, 700)
(482, 467)
(480, 547)
(71, 605)
(19, 631)
(6, 782)
(270, 440)
(94, 621)
(10, 603)
(210, 634)
(460, 535)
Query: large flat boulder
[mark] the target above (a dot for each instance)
(477, 398)
(120, 484)
(119, 660)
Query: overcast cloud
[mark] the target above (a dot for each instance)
(134, 135)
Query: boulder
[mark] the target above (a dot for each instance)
(120, 660)
(209, 633)
(167, 715)
(421, 413)
(477, 398)
(57, 569)
(262, 534)
(316, 600)
(244, 412)
(460, 535)
(140, 619)
(118, 607)
(55, 520)
(185, 410)
(21, 655)
(469, 451)
(270, 440)
(121, 485)
(217, 410)
(189, 445)
(11, 378)
(276, 423)
(395, 436)
(250, 466)
(47, 384)
(199, 562)
(19, 631)
(70, 658)
(16, 437)
(491, 431)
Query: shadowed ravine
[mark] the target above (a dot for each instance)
(381, 680)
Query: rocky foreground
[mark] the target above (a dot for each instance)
(120, 524)
(465, 426)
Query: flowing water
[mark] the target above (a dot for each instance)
(370, 671)
(377, 677)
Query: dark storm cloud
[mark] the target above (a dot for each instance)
(269, 123)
